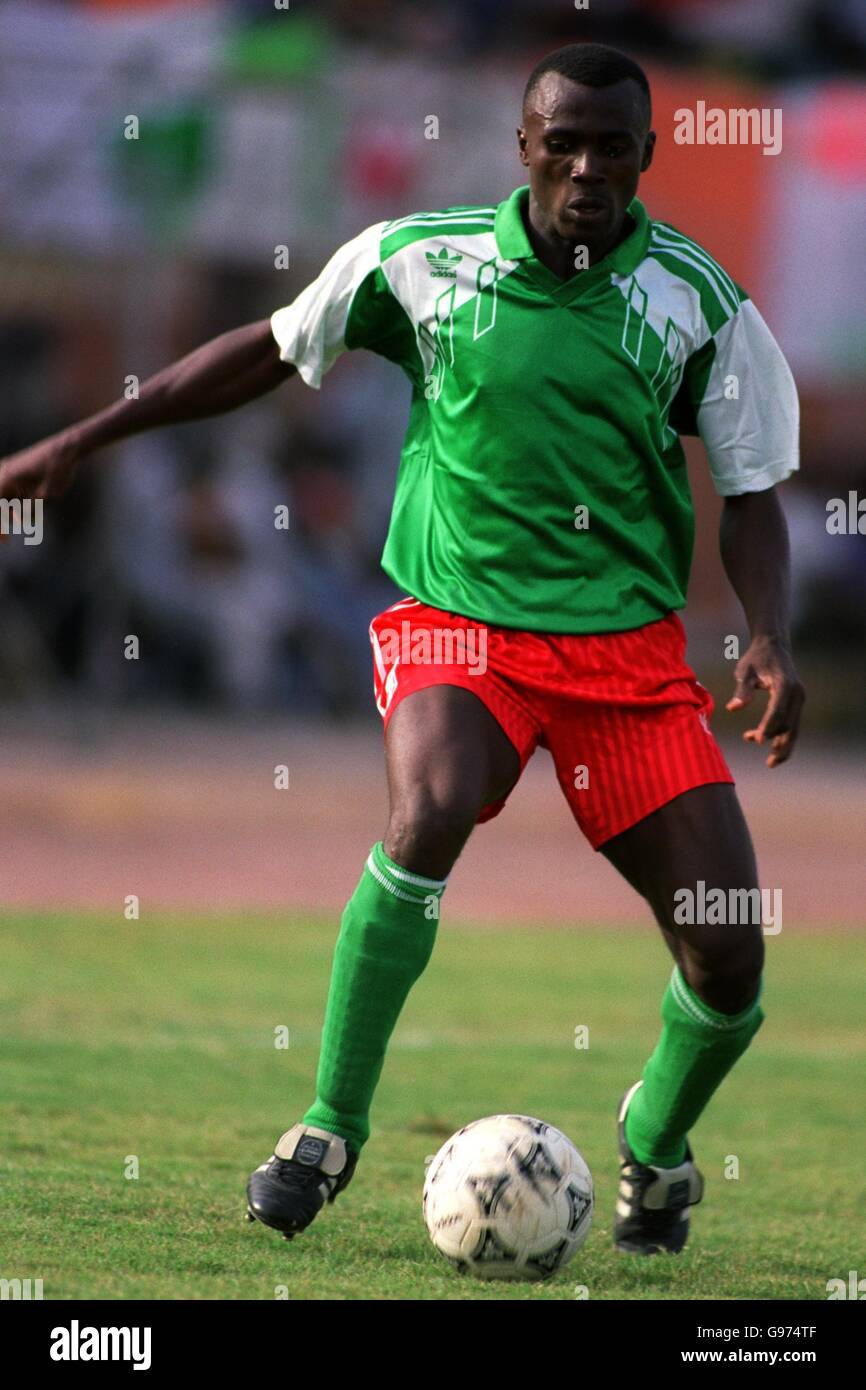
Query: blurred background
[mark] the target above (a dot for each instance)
(263, 126)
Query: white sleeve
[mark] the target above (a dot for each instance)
(311, 331)
(748, 414)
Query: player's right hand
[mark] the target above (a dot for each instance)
(46, 470)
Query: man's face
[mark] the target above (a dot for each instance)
(585, 149)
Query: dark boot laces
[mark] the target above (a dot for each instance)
(297, 1176)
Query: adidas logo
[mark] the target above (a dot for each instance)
(678, 1195)
(310, 1150)
(443, 266)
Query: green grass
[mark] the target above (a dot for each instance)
(156, 1039)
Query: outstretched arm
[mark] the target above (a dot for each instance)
(756, 555)
(223, 374)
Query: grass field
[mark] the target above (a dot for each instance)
(156, 1039)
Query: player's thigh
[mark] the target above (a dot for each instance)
(697, 842)
(447, 758)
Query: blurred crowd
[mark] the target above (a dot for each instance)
(780, 37)
(242, 552)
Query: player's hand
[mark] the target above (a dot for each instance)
(45, 470)
(768, 665)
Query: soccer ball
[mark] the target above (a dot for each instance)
(508, 1197)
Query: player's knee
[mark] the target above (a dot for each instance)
(426, 834)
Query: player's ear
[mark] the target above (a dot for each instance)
(648, 149)
(521, 145)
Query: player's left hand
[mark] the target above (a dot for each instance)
(768, 665)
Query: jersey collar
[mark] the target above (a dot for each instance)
(513, 243)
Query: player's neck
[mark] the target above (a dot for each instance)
(558, 255)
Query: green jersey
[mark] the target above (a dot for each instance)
(542, 483)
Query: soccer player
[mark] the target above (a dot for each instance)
(557, 345)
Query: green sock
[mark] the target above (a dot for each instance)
(697, 1048)
(385, 941)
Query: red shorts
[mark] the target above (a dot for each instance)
(623, 715)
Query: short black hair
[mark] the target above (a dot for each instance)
(595, 65)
